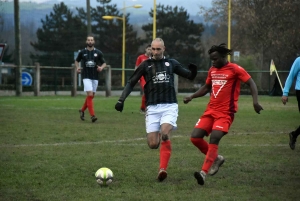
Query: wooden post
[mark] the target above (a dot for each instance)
(18, 58)
(74, 81)
(37, 79)
(107, 81)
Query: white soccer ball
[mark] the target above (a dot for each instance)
(104, 176)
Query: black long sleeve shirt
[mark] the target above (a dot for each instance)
(159, 77)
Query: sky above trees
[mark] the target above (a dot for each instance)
(192, 6)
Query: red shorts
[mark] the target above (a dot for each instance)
(142, 82)
(213, 120)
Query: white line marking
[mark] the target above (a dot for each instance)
(123, 142)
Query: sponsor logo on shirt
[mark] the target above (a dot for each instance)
(217, 86)
(90, 64)
(161, 77)
(218, 82)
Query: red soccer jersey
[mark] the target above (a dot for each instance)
(140, 59)
(225, 84)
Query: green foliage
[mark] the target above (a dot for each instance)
(58, 38)
(247, 62)
(48, 153)
(109, 33)
(181, 35)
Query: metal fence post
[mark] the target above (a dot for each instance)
(37, 79)
(108, 81)
(74, 81)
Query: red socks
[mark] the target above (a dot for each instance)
(143, 105)
(90, 105)
(165, 154)
(201, 144)
(210, 157)
(85, 104)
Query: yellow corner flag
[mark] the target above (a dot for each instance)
(273, 69)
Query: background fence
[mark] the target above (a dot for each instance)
(57, 79)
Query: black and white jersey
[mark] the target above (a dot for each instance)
(89, 61)
(159, 77)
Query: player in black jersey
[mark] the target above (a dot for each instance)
(92, 62)
(161, 101)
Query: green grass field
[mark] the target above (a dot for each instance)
(48, 153)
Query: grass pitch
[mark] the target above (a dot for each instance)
(48, 153)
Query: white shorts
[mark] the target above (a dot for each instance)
(90, 85)
(159, 114)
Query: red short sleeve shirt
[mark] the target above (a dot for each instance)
(140, 59)
(225, 84)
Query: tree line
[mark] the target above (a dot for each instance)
(63, 31)
(260, 31)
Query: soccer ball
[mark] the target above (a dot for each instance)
(104, 176)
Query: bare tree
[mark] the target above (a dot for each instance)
(265, 28)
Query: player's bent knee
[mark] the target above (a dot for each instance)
(198, 133)
(153, 145)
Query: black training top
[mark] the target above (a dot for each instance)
(89, 61)
(159, 77)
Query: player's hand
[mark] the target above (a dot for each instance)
(257, 108)
(193, 68)
(284, 99)
(99, 69)
(119, 106)
(78, 70)
(187, 99)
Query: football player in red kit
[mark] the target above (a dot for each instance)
(223, 81)
(142, 81)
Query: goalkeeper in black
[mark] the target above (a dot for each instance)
(161, 101)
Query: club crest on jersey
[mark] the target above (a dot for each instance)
(95, 55)
(161, 77)
(167, 64)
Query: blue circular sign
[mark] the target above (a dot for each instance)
(26, 79)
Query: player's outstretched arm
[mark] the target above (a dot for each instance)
(128, 88)
(189, 73)
(194, 70)
(201, 92)
(119, 105)
(254, 93)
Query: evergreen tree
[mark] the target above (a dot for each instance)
(108, 33)
(182, 36)
(58, 38)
